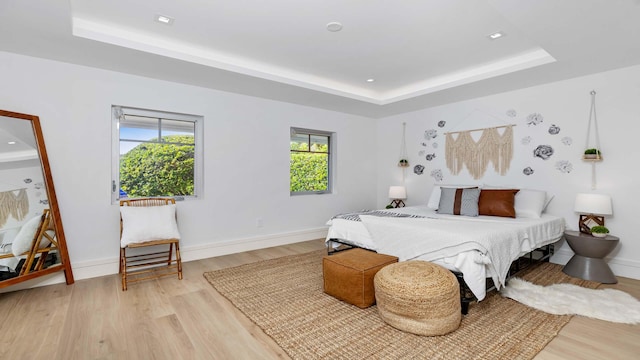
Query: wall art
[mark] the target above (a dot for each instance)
(437, 175)
(442, 123)
(564, 166)
(567, 140)
(554, 129)
(528, 171)
(526, 140)
(543, 152)
(15, 205)
(476, 155)
(430, 157)
(534, 119)
(511, 113)
(430, 134)
(418, 169)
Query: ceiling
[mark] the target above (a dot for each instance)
(420, 53)
(17, 144)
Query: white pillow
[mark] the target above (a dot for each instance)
(547, 201)
(434, 199)
(146, 223)
(24, 238)
(530, 203)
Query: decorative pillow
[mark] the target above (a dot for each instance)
(146, 223)
(459, 201)
(497, 202)
(24, 238)
(434, 199)
(531, 203)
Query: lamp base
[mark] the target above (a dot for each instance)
(397, 203)
(586, 222)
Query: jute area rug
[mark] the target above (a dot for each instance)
(284, 297)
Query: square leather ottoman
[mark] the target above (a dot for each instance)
(348, 275)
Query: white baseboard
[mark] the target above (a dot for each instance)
(620, 267)
(95, 268)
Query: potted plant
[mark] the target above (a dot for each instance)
(599, 231)
(403, 163)
(592, 154)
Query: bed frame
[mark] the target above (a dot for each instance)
(542, 254)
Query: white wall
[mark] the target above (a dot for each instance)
(246, 160)
(73, 103)
(565, 104)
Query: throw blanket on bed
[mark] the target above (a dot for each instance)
(433, 239)
(355, 216)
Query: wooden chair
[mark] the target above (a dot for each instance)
(45, 233)
(139, 267)
(43, 241)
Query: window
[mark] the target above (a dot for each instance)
(310, 162)
(156, 154)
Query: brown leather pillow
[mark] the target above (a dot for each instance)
(497, 202)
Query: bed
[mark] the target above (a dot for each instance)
(474, 248)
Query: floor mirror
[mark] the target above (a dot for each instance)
(32, 241)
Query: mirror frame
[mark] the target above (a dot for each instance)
(65, 264)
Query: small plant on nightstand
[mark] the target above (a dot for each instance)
(599, 231)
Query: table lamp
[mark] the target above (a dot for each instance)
(592, 208)
(397, 194)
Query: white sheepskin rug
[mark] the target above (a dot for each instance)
(567, 299)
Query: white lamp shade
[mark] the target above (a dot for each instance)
(397, 192)
(596, 204)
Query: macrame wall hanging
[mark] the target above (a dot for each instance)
(592, 151)
(16, 205)
(476, 155)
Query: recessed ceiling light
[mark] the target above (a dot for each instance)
(496, 35)
(11, 143)
(371, 80)
(167, 20)
(334, 26)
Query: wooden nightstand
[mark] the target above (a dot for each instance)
(588, 262)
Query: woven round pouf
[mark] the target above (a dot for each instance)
(418, 297)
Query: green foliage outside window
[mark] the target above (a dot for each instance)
(159, 169)
(309, 170)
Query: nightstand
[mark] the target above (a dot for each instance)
(588, 262)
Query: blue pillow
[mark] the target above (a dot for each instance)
(458, 201)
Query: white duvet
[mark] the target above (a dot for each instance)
(479, 247)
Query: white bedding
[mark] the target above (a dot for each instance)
(479, 247)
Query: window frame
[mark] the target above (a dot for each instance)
(198, 178)
(331, 156)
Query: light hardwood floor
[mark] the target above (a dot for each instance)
(188, 319)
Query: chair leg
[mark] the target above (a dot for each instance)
(120, 266)
(123, 268)
(179, 261)
(170, 253)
